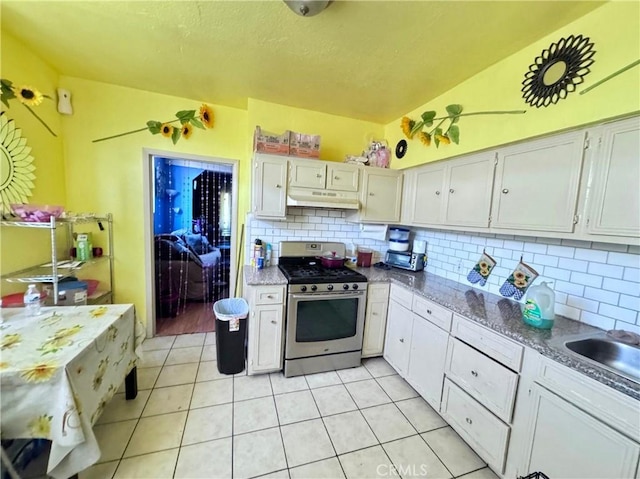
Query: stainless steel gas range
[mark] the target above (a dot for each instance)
(325, 310)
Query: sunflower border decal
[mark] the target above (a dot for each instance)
(576, 52)
(16, 166)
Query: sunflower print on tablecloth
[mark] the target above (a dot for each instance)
(112, 333)
(3, 365)
(59, 340)
(100, 372)
(10, 340)
(51, 320)
(41, 372)
(98, 312)
(40, 426)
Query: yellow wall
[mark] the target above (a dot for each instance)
(340, 136)
(108, 176)
(615, 30)
(23, 67)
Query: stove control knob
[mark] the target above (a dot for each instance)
(314, 287)
(345, 286)
(330, 287)
(303, 288)
(355, 286)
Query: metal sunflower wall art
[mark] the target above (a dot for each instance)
(558, 70)
(16, 166)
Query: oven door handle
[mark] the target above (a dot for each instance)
(328, 295)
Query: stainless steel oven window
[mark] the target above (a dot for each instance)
(326, 320)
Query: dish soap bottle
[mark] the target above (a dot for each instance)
(538, 310)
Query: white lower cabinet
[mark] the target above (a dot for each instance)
(484, 432)
(375, 321)
(426, 360)
(566, 442)
(398, 338)
(265, 329)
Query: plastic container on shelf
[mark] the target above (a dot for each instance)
(399, 245)
(231, 330)
(399, 234)
(32, 301)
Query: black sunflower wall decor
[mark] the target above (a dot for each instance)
(558, 70)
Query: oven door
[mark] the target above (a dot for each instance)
(320, 324)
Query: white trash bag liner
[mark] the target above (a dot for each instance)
(231, 308)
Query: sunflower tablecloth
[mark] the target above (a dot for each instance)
(58, 370)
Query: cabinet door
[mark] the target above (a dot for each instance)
(427, 360)
(615, 204)
(269, 183)
(382, 192)
(398, 339)
(307, 174)
(375, 321)
(566, 442)
(342, 177)
(266, 330)
(536, 184)
(468, 195)
(426, 204)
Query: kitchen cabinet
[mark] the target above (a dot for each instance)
(398, 338)
(269, 186)
(265, 334)
(615, 203)
(536, 184)
(566, 442)
(375, 322)
(427, 359)
(62, 266)
(321, 175)
(380, 196)
(453, 193)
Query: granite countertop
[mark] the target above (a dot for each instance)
(492, 311)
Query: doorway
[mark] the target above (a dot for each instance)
(191, 211)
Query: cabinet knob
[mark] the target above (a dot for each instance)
(273, 321)
(469, 421)
(505, 191)
(402, 340)
(270, 296)
(278, 186)
(318, 175)
(429, 311)
(474, 373)
(451, 190)
(336, 177)
(370, 194)
(437, 193)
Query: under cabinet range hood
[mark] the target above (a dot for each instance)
(346, 200)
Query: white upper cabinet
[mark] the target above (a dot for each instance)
(468, 184)
(269, 186)
(380, 196)
(615, 201)
(536, 184)
(342, 177)
(307, 173)
(425, 195)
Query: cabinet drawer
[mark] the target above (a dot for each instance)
(269, 295)
(492, 344)
(483, 378)
(401, 295)
(435, 313)
(378, 292)
(482, 430)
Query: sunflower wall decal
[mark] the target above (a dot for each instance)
(27, 95)
(16, 166)
(558, 70)
(187, 119)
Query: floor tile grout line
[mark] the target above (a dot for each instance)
(284, 450)
(233, 417)
(471, 472)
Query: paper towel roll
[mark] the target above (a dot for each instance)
(419, 246)
(376, 232)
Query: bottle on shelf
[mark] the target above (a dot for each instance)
(32, 301)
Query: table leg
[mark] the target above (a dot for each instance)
(131, 384)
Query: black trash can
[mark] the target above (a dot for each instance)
(231, 331)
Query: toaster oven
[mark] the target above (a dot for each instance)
(406, 260)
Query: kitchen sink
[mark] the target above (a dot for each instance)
(609, 353)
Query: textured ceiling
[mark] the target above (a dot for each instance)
(372, 60)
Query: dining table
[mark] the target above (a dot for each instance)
(58, 371)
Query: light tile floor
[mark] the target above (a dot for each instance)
(190, 421)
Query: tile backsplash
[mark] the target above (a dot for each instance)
(595, 283)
